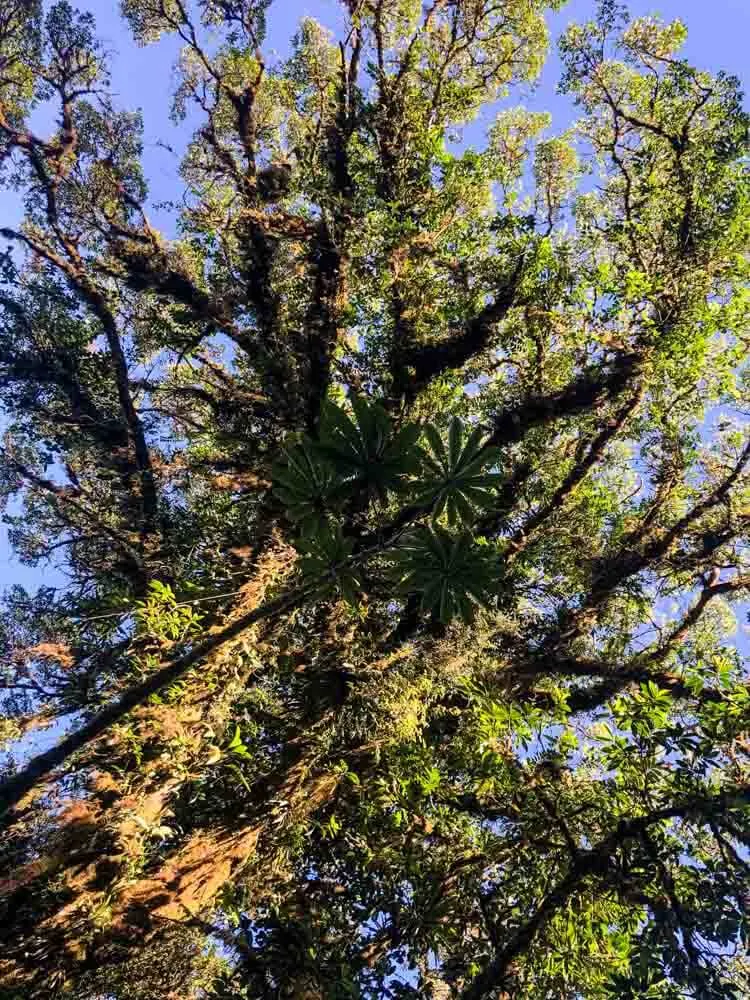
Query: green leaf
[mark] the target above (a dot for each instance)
(366, 449)
(453, 575)
(307, 484)
(237, 746)
(324, 555)
(455, 480)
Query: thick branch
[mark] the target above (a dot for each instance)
(577, 474)
(13, 790)
(420, 364)
(583, 393)
(591, 863)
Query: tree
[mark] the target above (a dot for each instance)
(403, 498)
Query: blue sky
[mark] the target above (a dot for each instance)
(719, 32)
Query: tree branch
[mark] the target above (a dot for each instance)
(593, 863)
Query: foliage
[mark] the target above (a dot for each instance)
(454, 479)
(367, 447)
(305, 483)
(453, 575)
(325, 559)
(161, 616)
(395, 495)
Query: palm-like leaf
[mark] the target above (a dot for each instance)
(324, 554)
(306, 483)
(454, 477)
(366, 447)
(453, 575)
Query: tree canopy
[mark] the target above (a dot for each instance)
(402, 495)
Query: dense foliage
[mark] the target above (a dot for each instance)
(402, 494)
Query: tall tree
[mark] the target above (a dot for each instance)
(403, 500)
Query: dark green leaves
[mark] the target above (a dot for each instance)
(367, 448)
(453, 575)
(454, 476)
(361, 452)
(324, 560)
(305, 483)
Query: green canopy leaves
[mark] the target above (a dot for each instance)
(455, 477)
(452, 574)
(367, 447)
(361, 454)
(306, 483)
(392, 511)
